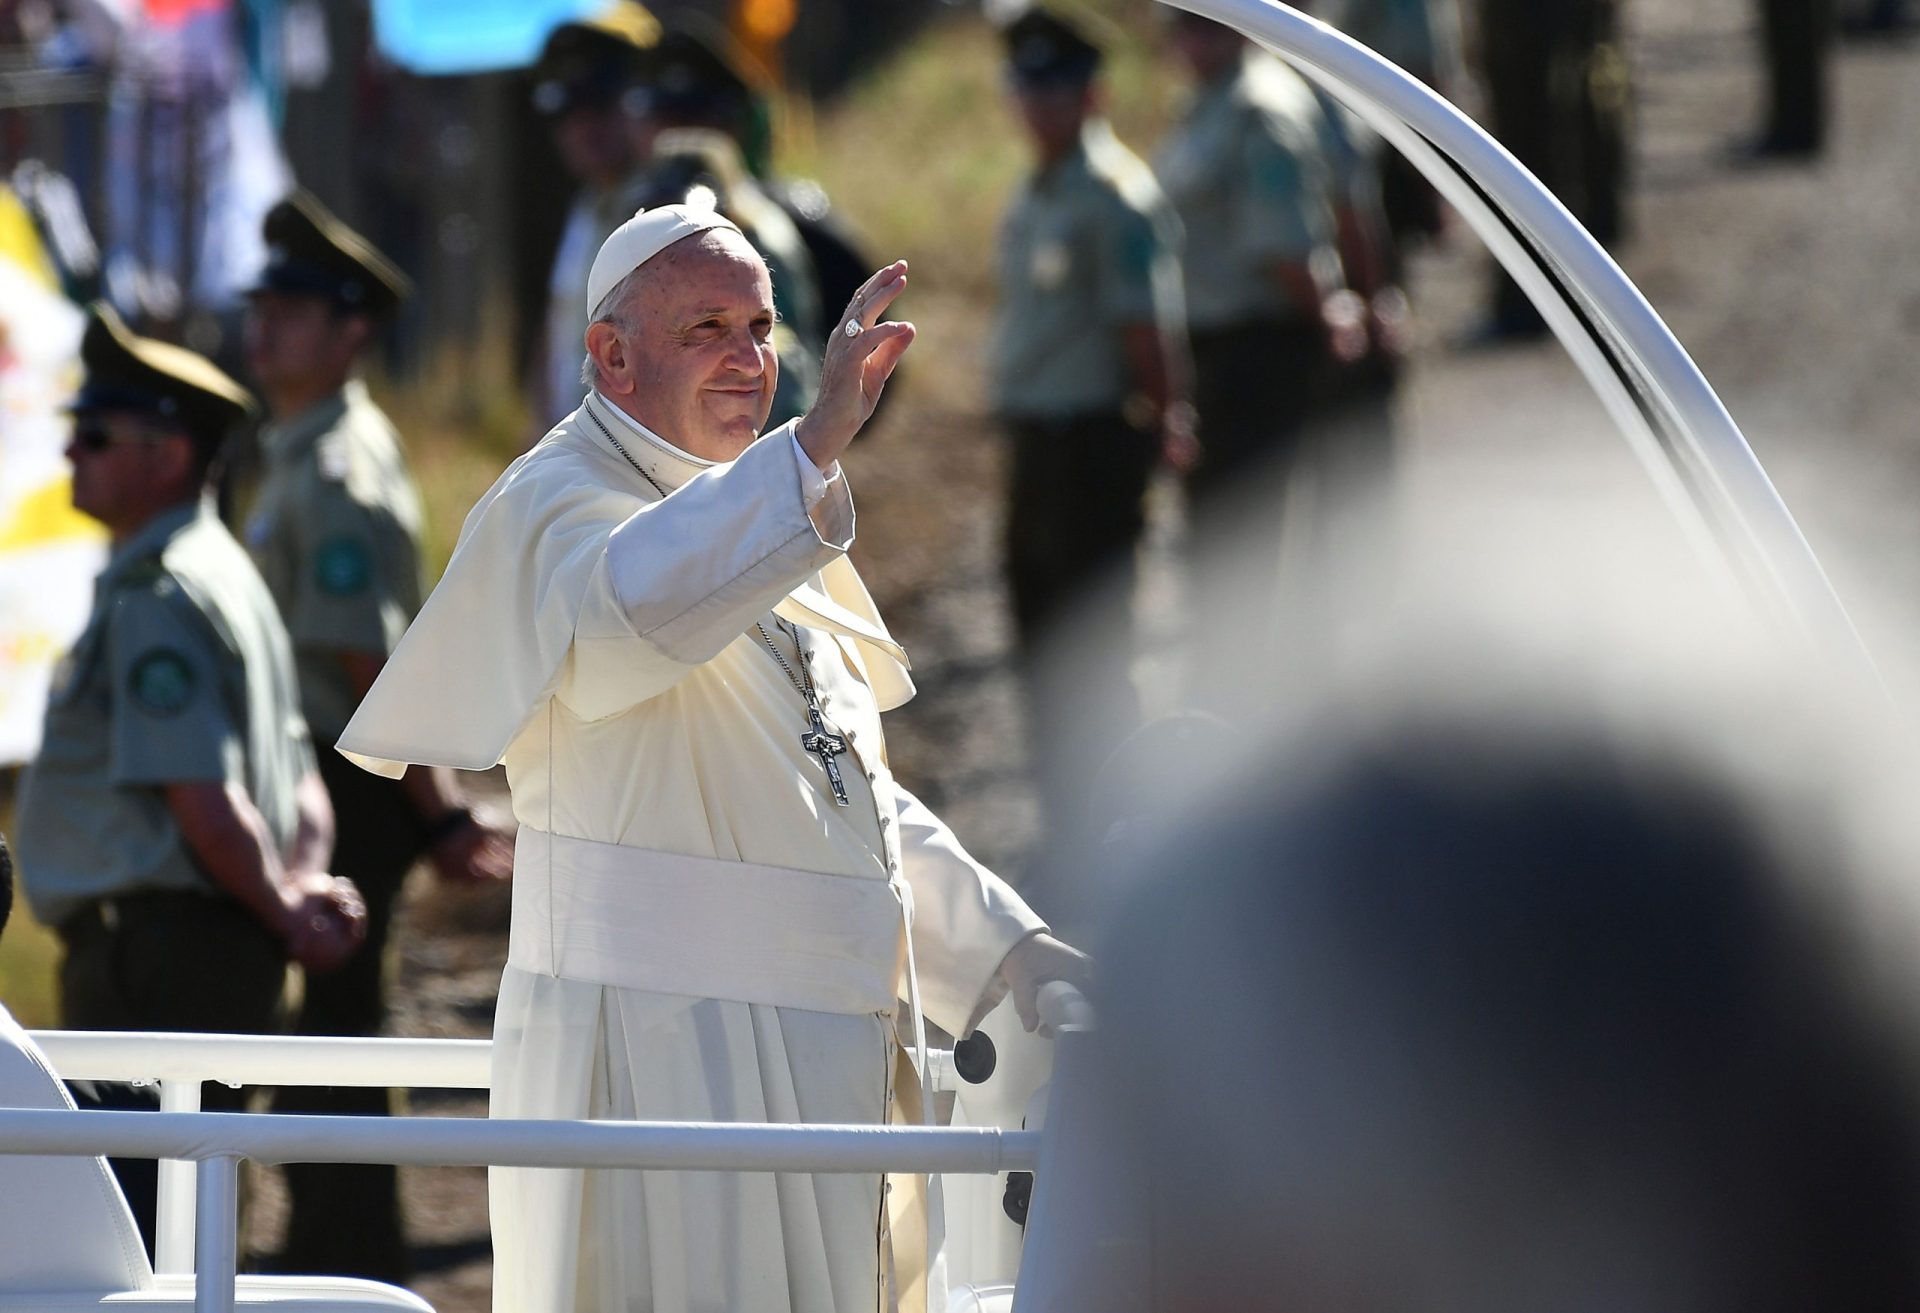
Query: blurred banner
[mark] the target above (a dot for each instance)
(49, 552)
(469, 36)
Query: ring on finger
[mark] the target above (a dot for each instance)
(853, 328)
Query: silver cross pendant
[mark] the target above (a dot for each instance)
(826, 745)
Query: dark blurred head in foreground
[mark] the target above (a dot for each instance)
(1497, 1019)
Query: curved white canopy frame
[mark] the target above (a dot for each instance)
(1685, 439)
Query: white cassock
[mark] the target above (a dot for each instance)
(699, 931)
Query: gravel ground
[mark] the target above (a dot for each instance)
(1793, 286)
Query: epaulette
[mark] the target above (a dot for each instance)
(1127, 174)
(145, 573)
(334, 457)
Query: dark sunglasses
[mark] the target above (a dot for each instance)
(95, 436)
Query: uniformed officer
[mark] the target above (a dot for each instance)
(1422, 37)
(335, 530)
(582, 78)
(699, 77)
(703, 166)
(173, 830)
(1357, 414)
(1248, 171)
(1559, 94)
(1089, 380)
(1278, 338)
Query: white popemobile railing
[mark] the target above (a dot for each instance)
(1670, 416)
(178, 1064)
(199, 1222)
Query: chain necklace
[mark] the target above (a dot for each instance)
(819, 741)
(607, 433)
(802, 682)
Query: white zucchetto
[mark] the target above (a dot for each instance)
(641, 238)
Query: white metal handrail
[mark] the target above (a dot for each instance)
(216, 1142)
(143, 1057)
(1063, 1009)
(500, 1142)
(178, 1063)
(148, 1057)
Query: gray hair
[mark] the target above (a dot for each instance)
(613, 309)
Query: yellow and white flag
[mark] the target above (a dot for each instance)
(49, 552)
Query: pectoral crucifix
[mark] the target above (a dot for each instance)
(826, 745)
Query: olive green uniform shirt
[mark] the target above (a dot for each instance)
(336, 532)
(1089, 247)
(182, 674)
(1247, 171)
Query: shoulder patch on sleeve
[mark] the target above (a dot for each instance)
(150, 574)
(342, 567)
(162, 682)
(1277, 174)
(1140, 248)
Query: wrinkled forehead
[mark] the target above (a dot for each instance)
(716, 263)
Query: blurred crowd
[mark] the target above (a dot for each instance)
(1230, 305)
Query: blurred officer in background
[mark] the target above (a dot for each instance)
(335, 532)
(174, 830)
(1293, 371)
(583, 75)
(700, 77)
(702, 167)
(1247, 169)
(1359, 406)
(1423, 37)
(1560, 100)
(1088, 377)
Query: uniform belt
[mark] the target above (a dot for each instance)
(108, 914)
(1083, 421)
(1254, 330)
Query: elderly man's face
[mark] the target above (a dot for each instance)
(700, 356)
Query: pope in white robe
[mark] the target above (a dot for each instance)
(711, 905)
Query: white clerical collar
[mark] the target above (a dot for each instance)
(647, 435)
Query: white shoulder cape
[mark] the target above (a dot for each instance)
(485, 650)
